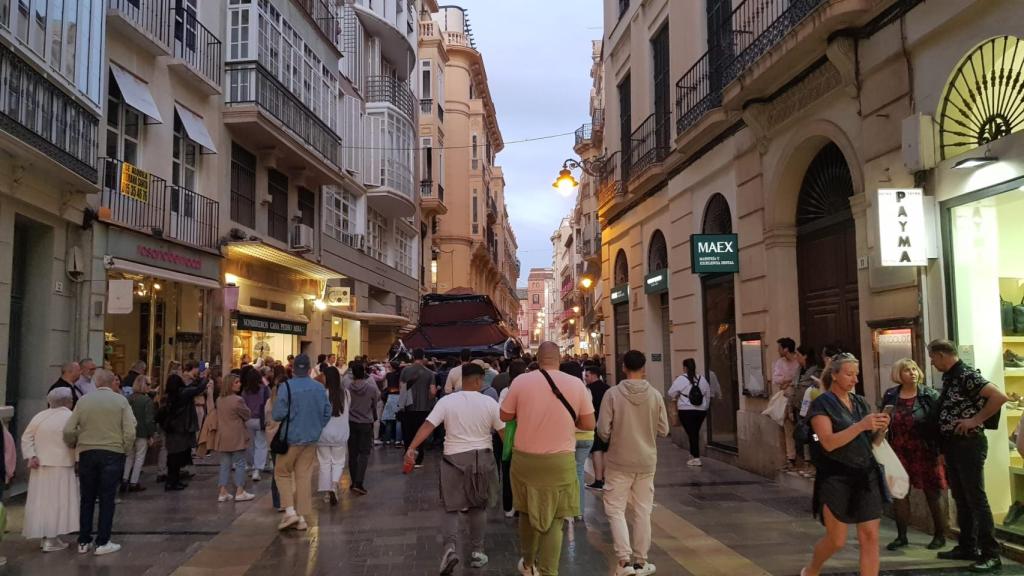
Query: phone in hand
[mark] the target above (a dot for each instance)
(888, 409)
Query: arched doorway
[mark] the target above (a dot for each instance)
(657, 263)
(827, 255)
(719, 299)
(620, 313)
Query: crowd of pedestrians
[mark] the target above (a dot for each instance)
(517, 431)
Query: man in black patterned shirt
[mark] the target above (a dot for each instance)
(967, 401)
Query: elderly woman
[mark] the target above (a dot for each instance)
(914, 406)
(847, 488)
(52, 506)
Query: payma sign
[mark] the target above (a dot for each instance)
(901, 227)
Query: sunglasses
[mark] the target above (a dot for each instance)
(843, 356)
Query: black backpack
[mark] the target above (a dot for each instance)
(696, 395)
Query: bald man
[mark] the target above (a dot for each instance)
(548, 407)
(69, 375)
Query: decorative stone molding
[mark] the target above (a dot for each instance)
(780, 237)
(754, 116)
(815, 86)
(842, 53)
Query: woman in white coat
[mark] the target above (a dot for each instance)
(332, 449)
(51, 508)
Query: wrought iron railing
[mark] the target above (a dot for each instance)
(584, 133)
(192, 217)
(136, 199)
(40, 114)
(426, 188)
(391, 91)
(649, 144)
(597, 119)
(251, 83)
(440, 112)
(694, 96)
(440, 192)
(196, 45)
(426, 106)
(149, 16)
(755, 26)
(610, 181)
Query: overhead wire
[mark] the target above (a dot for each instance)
(520, 141)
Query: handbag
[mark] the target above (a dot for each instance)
(1018, 318)
(279, 445)
(1006, 316)
(776, 409)
(893, 473)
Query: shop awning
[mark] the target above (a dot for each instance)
(264, 320)
(195, 128)
(373, 318)
(136, 93)
(299, 267)
(120, 265)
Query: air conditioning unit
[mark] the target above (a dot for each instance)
(302, 238)
(360, 242)
(266, 199)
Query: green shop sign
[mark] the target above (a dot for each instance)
(656, 282)
(258, 324)
(715, 253)
(620, 294)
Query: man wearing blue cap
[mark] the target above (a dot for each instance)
(303, 409)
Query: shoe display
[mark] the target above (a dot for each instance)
(1012, 359)
(449, 561)
(1014, 514)
(987, 565)
(108, 548)
(899, 542)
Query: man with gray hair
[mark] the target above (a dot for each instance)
(102, 429)
(967, 406)
(69, 375)
(84, 383)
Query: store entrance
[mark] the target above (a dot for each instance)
(827, 256)
(621, 312)
(720, 358)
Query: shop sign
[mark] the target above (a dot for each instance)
(152, 252)
(901, 227)
(656, 282)
(620, 294)
(120, 296)
(258, 324)
(715, 253)
(134, 182)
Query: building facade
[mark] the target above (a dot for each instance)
(541, 306)
(747, 191)
(472, 245)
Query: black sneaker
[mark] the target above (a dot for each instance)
(597, 485)
(987, 565)
(958, 553)
(898, 543)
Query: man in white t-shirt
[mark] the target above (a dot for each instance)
(469, 478)
(454, 381)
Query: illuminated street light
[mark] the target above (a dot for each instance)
(575, 309)
(566, 183)
(586, 282)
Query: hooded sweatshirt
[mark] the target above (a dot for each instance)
(632, 417)
(364, 401)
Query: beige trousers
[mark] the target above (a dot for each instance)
(636, 491)
(294, 475)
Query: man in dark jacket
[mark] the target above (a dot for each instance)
(592, 376)
(69, 374)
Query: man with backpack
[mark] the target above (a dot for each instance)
(632, 417)
(967, 406)
(692, 395)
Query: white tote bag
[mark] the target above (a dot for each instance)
(895, 474)
(776, 409)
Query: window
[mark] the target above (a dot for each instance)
(662, 88)
(307, 207)
(56, 31)
(340, 218)
(476, 213)
(426, 67)
(440, 85)
(243, 186)
(404, 246)
(376, 235)
(427, 160)
(238, 33)
(625, 123)
(476, 152)
(277, 212)
(536, 298)
(124, 126)
(22, 21)
(38, 32)
(184, 157)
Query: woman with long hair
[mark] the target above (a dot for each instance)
(847, 488)
(332, 449)
(363, 400)
(180, 423)
(232, 439)
(255, 393)
(692, 395)
(914, 405)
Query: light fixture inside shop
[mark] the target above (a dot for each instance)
(572, 320)
(156, 286)
(575, 309)
(593, 334)
(230, 279)
(975, 162)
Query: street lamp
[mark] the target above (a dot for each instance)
(586, 282)
(566, 183)
(575, 309)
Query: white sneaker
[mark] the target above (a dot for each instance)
(54, 545)
(626, 570)
(510, 513)
(244, 497)
(108, 548)
(224, 498)
(449, 561)
(302, 526)
(524, 571)
(478, 560)
(694, 462)
(84, 548)
(646, 570)
(288, 521)
(255, 475)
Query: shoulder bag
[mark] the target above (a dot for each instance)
(279, 445)
(559, 395)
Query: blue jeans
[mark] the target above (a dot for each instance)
(99, 475)
(226, 460)
(582, 452)
(389, 431)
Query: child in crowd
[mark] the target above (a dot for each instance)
(390, 415)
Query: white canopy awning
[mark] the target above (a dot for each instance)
(136, 93)
(121, 265)
(195, 128)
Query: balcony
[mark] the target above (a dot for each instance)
(147, 24)
(587, 134)
(430, 203)
(391, 91)
(198, 53)
(694, 95)
(135, 199)
(325, 16)
(260, 109)
(492, 211)
(757, 26)
(426, 106)
(44, 121)
(610, 181)
(649, 146)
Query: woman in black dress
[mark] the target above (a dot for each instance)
(180, 424)
(847, 489)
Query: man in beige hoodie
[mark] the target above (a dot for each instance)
(632, 417)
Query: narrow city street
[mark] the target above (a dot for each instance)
(710, 521)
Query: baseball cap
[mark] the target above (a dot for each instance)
(301, 363)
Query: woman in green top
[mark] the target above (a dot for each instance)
(145, 428)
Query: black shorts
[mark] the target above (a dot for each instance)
(851, 500)
(599, 445)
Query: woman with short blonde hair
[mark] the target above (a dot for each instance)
(913, 406)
